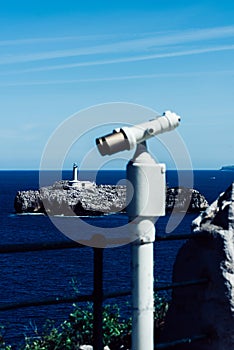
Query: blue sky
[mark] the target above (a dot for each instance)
(58, 57)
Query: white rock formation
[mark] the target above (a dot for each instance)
(206, 308)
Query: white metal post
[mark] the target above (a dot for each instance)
(146, 198)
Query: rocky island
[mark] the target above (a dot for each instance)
(63, 199)
(87, 198)
(60, 199)
(227, 168)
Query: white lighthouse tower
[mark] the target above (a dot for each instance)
(74, 182)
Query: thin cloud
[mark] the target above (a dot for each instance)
(147, 43)
(128, 59)
(31, 41)
(119, 78)
(159, 38)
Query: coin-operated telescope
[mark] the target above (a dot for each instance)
(146, 200)
(127, 138)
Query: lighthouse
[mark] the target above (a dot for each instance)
(74, 182)
(75, 172)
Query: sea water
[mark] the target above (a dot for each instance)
(46, 274)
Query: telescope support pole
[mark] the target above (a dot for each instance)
(146, 201)
(142, 296)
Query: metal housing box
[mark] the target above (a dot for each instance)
(146, 192)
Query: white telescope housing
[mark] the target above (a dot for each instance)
(146, 201)
(127, 138)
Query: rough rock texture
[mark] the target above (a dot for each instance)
(206, 308)
(60, 199)
(185, 199)
(92, 199)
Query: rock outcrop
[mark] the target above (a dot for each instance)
(185, 199)
(206, 308)
(62, 199)
(87, 198)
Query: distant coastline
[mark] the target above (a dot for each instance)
(228, 167)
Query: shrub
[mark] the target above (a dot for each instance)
(78, 329)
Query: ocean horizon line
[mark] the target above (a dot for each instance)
(114, 169)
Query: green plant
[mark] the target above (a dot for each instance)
(3, 346)
(160, 309)
(78, 329)
(116, 330)
(69, 335)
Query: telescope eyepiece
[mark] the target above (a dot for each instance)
(112, 143)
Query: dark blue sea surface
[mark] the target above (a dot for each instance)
(46, 274)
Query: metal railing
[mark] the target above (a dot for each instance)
(98, 296)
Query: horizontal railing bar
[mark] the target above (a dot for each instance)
(188, 340)
(123, 293)
(33, 247)
(56, 301)
(182, 236)
(110, 295)
(181, 284)
(89, 297)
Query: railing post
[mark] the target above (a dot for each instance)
(97, 298)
